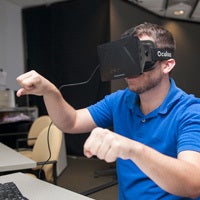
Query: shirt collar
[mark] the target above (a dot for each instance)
(172, 97)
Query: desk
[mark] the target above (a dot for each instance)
(35, 189)
(11, 160)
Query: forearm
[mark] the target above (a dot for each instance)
(175, 176)
(62, 114)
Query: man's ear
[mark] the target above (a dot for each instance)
(168, 65)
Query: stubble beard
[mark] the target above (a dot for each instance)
(148, 82)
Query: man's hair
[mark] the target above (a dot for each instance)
(162, 37)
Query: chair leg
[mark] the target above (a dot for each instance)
(106, 172)
(55, 173)
(98, 173)
(99, 188)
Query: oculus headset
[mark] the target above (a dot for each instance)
(129, 57)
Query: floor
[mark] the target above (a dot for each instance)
(79, 176)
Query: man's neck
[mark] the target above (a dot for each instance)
(152, 99)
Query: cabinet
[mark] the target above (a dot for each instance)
(17, 114)
(15, 122)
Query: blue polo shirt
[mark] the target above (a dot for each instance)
(171, 128)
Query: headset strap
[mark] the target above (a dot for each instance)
(162, 53)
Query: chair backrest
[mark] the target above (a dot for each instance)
(48, 138)
(37, 126)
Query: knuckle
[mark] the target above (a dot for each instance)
(116, 145)
(109, 137)
(96, 130)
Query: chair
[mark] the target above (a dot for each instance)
(46, 153)
(37, 126)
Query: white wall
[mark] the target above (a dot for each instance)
(11, 42)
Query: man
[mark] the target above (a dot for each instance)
(156, 138)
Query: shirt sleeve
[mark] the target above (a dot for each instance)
(189, 129)
(101, 112)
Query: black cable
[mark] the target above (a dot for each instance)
(60, 88)
(80, 83)
(49, 148)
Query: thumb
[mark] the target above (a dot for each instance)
(21, 92)
(87, 153)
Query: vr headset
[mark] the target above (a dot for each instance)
(129, 57)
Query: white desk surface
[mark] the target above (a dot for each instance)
(35, 189)
(12, 160)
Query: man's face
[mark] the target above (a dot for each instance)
(148, 80)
